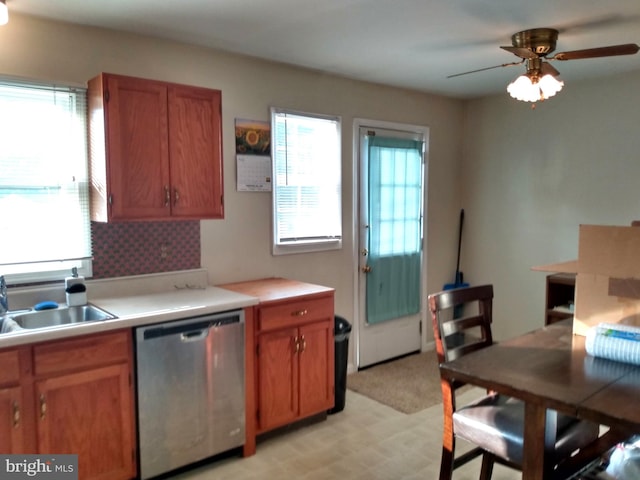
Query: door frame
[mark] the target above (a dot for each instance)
(359, 123)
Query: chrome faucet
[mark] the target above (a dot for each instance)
(4, 298)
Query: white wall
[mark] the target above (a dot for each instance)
(238, 247)
(531, 177)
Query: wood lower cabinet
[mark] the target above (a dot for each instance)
(278, 373)
(294, 351)
(316, 357)
(88, 413)
(74, 397)
(155, 150)
(295, 370)
(12, 403)
(11, 425)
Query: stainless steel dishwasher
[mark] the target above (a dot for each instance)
(190, 386)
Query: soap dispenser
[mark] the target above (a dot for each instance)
(75, 289)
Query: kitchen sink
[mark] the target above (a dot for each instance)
(8, 325)
(61, 316)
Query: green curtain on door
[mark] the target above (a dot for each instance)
(395, 228)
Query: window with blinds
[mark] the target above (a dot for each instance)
(44, 200)
(306, 182)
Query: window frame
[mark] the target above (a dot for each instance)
(306, 245)
(25, 272)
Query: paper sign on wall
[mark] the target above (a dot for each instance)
(254, 173)
(253, 156)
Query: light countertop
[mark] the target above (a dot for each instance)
(137, 310)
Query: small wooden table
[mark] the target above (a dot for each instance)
(550, 369)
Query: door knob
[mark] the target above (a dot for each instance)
(366, 269)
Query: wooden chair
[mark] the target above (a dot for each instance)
(494, 423)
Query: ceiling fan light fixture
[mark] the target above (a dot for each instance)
(550, 85)
(4, 12)
(531, 88)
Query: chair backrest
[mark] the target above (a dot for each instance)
(461, 320)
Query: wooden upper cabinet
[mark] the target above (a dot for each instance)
(137, 145)
(194, 140)
(155, 150)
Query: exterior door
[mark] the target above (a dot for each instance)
(391, 201)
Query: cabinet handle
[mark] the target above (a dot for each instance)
(16, 415)
(43, 406)
(167, 196)
(176, 197)
(296, 342)
(299, 313)
(304, 344)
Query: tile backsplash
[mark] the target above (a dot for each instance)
(136, 248)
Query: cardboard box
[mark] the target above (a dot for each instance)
(607, 276)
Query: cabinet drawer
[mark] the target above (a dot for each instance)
(81, 353)
(295, 313)
(10, 371)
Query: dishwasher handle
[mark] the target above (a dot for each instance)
(190, 329)
(194, 335)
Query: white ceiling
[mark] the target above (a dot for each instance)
(406, 43)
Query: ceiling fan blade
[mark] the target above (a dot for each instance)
(613, 50)
(521, 52)
(486, 68)
(602, 22)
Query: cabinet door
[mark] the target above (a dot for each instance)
(89, 414)
(195, 142)
(11, 422)
(316, 359)
(277, 378)
(137, 148)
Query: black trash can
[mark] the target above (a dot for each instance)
(341, 331)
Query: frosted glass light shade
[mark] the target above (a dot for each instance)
(530, 89)
(4, 12)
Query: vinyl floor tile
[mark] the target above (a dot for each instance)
(366, 441)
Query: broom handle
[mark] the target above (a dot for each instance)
(458, 278)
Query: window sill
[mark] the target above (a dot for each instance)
(311, 247)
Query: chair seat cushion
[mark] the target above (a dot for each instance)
(496, 424)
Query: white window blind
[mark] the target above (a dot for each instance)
(306, 182)
(45, 227)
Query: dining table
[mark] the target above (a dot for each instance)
(550, 371)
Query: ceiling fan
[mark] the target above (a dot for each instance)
(541, 80)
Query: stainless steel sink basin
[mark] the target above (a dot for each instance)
(61, 316)
(8, 325)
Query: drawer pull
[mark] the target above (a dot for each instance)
(167, 196)
(16, 415)
(300, 313)
(43, 406)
